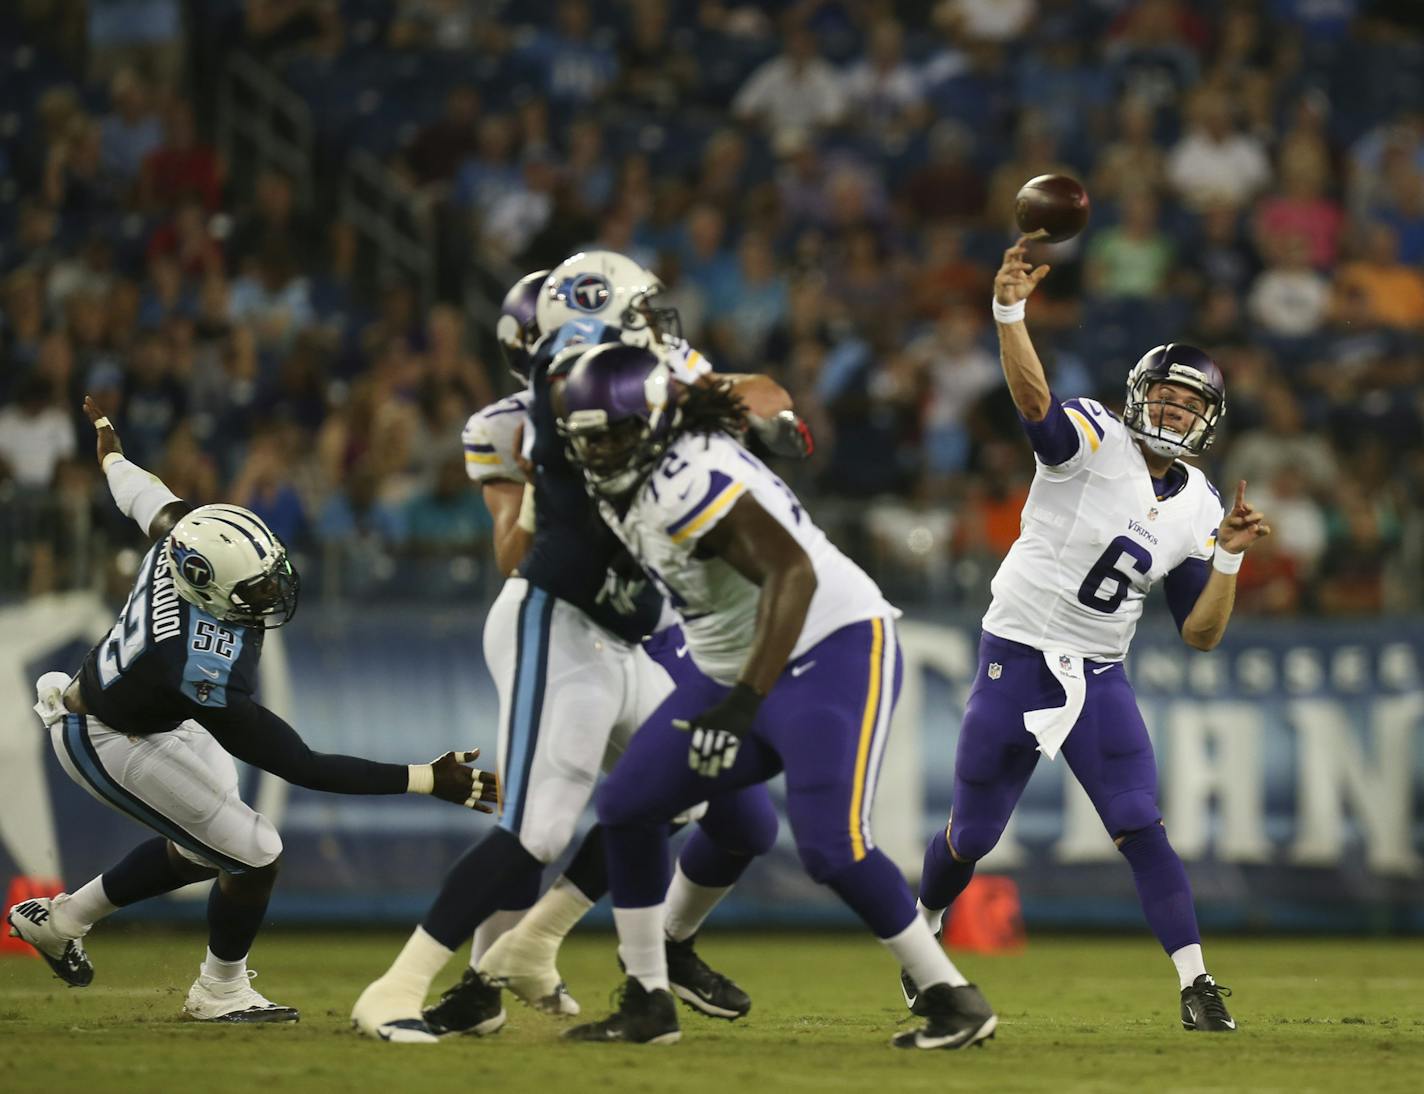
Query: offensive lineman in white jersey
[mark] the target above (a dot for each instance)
(801, 671)
(1112, 511)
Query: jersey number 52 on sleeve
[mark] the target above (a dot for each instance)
(1105, 587)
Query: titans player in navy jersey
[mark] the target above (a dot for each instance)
(152, 721)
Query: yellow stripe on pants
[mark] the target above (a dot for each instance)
(867, 731)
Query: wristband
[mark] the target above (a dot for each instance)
(1009, 313)
(1224, 562)
(422, 779)
(109, 459)
(101, 423)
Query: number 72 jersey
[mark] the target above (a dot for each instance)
(692, 489)
(1094, 538)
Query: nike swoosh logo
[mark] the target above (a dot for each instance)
(214, 673)
(683, 495)
(1229, 1023)
(1191, 1014)
(681, 651)
(1099, 672)
(799, 669)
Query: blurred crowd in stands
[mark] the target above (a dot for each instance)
(825, 186)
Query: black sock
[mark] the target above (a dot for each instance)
(146, 871)
(478, 885)
(586, 871)
(235, 915)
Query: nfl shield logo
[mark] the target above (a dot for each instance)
(1152, 513)
(1065, 662)
(995, 670)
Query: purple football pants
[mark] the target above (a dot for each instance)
(1108, 752)
(825, 724)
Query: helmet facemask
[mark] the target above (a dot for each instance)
(1159, 438)
(662, 324)
(271, 596)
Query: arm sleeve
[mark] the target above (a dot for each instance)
(256, 736)
(1184, 585)
(138, 493)
(1055, 440)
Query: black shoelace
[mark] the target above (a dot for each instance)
(1212, 1006)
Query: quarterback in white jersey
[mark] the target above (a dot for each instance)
(801, 670)
(1094, 537)
(1113, 510)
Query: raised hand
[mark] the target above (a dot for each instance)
(1242, 526)
(1017, 278)
(108, 440)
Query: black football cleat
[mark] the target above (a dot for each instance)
(1203, 1009)
(701, 987)
(642, 1018)
(474, 1006)
(954, 1018)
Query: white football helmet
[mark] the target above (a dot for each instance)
(610, 287)
(226, 561)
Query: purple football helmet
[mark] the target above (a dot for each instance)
(618, 412)
(1175, 363)
(518, 327)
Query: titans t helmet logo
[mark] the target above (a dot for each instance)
(588, 292)
(196, 570)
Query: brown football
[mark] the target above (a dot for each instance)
(1056, 204)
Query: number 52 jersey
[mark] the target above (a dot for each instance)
(1094, 538)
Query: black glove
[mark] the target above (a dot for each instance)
(448, 779)
(718, 731)
(784, 434)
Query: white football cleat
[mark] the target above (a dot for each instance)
(525, 966)
(32, 921)
(387, 1014)
(211, 1000)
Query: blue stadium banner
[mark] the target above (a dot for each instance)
(1291, 762)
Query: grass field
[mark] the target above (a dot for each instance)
(1077, 1014)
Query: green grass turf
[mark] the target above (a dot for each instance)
(1076, 1014)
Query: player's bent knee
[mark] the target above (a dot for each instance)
(619, 807)
(971, 842)
(268, 850)
(1136, 813)
(823, 861)
(548, 845)
(1129, 840)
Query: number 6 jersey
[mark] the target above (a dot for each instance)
(1093, 539)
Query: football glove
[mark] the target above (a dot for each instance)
(448, 779)
(718, 731)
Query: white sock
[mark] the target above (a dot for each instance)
(218, 969)
(689, 905)
(641, 944)
(556, 913)
(1189, 963)
(921, 955)
(418, 963)
(75, 913)
(490, 930)
(934, 918)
